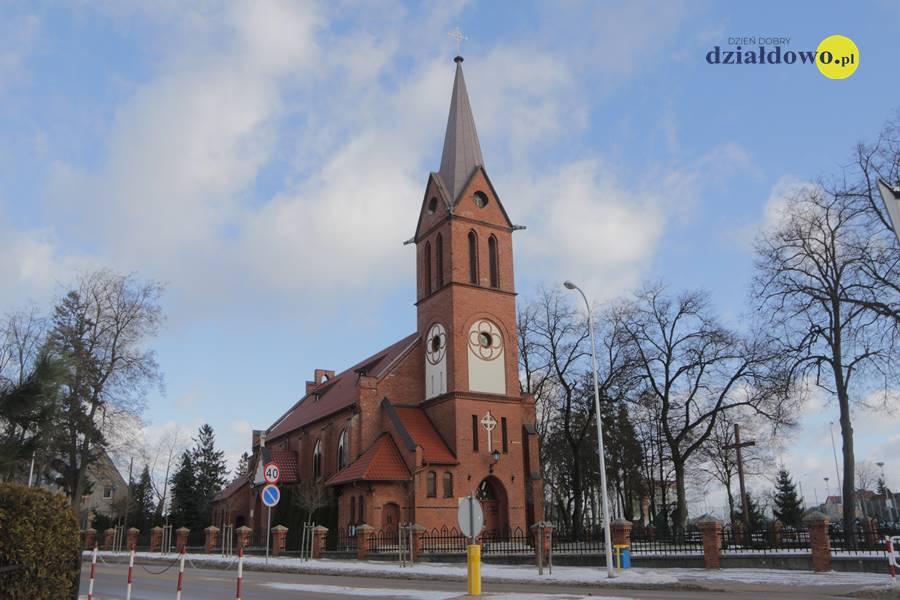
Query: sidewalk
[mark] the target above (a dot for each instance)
(637, 578)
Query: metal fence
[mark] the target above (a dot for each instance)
(444, 541)
(386, 541)
(860, 542)
(765, 541)
(508, 542)
(341, 540)
(588, 541)
(650, 542)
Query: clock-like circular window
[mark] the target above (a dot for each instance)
(485, 340)
(437, 344)
(481, 199)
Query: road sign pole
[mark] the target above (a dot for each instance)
(472, 518)
(268, 529)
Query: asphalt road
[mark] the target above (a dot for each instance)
(209, 584)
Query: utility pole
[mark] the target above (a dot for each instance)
(745, 508)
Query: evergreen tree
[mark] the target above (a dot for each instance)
(880, 489)
(142, 501)
(757, 513)
(185, 509)
(211, 472)
(788, 506)
(243, 466)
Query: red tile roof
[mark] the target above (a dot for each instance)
(423, 433)
(230, 489)
(287, 464)
(340, 391)
(381, 462)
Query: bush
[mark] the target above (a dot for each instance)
(39, 532)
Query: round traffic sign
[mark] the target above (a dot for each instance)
(272, 473)
(271, 495)
(470, 516)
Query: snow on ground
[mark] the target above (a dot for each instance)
(636, 577)
(419, 594)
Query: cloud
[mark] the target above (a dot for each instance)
(18, 35)
(785, 189)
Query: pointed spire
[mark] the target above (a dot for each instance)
(462, 152)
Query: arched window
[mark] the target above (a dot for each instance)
(439, 260)
(427, 268)
(473, 258)
(431, 485)
(317, 460)
(492, 259)
(352, 510)
(362, 511)
(448, 484)
(342, 449)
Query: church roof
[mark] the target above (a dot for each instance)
(286, 461)
(422, 431)
(381, 462)
(230, 489)
(340, 391)
(462, 152)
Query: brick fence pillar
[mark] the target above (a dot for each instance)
(131, 539)
(90, 538)
(711, 533)
(620, 532)
(542, 532)
(365, 535)
(318, 541)
(156, 539)
(418, 542)
(775, 528)
(243, 536)
(181, 538)
(109, 539)
(279, 537)
(210, 538)
(817, 523)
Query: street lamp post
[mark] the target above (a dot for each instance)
(891, 196)
(606, 536)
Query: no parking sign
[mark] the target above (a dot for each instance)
(271, 495)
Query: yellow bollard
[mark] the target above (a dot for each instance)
(474, 563)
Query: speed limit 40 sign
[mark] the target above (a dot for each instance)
(272, 473)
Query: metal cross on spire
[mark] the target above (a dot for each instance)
(457, 35)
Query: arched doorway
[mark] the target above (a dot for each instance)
(492, 495)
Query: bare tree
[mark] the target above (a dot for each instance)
(100, 329)
(309, 496)
(555, 342)
(696, 370)
(812, 290)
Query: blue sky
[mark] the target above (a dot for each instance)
(267, 159)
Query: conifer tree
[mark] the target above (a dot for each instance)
(185, 510)
(243, 466)
(788, 506)
(142, 496)
(211, 472)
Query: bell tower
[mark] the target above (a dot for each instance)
(464, 265)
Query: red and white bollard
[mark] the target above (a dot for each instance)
(240, 572)
(130, 574)
(892, 559)
(180, 576)
(93, 573)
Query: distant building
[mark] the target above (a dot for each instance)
(108, 494)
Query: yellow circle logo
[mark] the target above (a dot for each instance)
(837, 57)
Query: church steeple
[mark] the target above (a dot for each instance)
(462, 152)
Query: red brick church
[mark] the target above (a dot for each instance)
(439, 414)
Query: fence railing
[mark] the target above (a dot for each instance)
(765, 541)
(341, 540)
(648, 542)
(587, 541)
(860, 542)
(444, 541)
